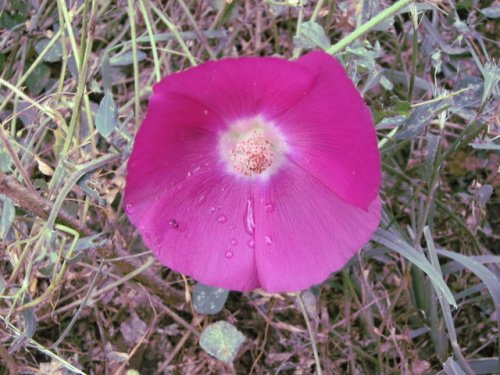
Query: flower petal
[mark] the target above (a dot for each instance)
(195, 229)
(243, 87)
(186, 208)
(331, 133)
(304, 231)
(175, 138)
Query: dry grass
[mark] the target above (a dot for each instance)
(80, 291)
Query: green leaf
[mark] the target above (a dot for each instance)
(311, 35)
(5, 160)
(485, 366)
(421, 117)
(472, 96)
(487, 277)
(107, 115)
(7, 22)
(30, 321)
(418, 259)
(464, 4)
(39, 79)
(401, 107)
(491, 74)
(451, 367)
(221, 340)
(90, 242)
(432, 147)
(7, 217)
(106, 72)
(126, 58)
(3, 284)
(209, 300)
(491, 12)
(87, 185)
(54, 53)
(389, 122)
(485, 146)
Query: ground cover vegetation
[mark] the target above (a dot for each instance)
(79, 291)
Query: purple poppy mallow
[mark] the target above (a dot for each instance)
(256, 172)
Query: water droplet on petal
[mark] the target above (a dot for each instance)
(251, 243)
(129, 208)
(233, 242)
(201, 199)
(269, 240)
(212, 210)
(269, 207)
(222, 219)
(229, 254)
(248, 220)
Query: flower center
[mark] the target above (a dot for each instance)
(252, 155)
(252, 147)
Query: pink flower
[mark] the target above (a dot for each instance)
(256, 172)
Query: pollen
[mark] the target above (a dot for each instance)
(252, 148)
(252, 155)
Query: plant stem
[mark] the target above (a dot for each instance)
(311, 334)
(336, 48)
(296, 51)
(414, 52)
(137, 100)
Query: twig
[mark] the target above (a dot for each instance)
(174, 352)
(8, 360)
(311, 334)
(382, 16)
(80, 308)
(34, 203)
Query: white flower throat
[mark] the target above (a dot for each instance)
(252, 148)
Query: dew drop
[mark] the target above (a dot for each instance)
(251, 243)
(222, 219)
(269, 207)
(248, 220)
(229, 254)
(201, 199)
(233, 242)
(269, 240)
(129, 208)
(212, 210)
